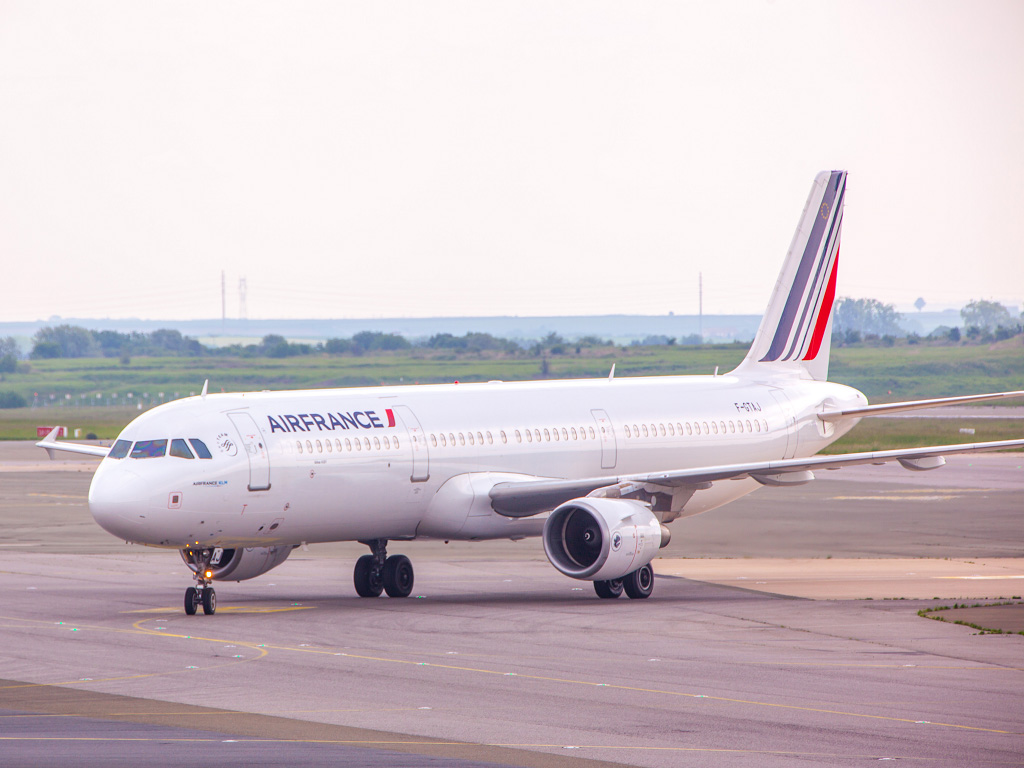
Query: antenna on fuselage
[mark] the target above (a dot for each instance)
(611, 373)
(206, 385)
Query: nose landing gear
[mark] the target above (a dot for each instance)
(376, 573)
(202, 593)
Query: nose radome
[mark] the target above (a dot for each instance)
(118, 501)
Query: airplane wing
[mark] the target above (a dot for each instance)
(913, 405)
(530, 497)
(50, 444)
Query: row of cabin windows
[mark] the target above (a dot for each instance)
(350, 444)
(689, 428)
(444, 439)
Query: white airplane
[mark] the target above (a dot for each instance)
(597, 468)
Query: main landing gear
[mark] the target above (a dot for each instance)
(202, 593)
(638, 585)
(376, 573)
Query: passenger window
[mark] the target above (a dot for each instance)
(593, 435)
(732, 426)
(376, 443)
(337, 444)
(574, 435)
(565, 434)
(748, 426)
(387, 443)
(366, 442)
(319, 447)
(628, 433)
(200, 448)
(462, 439)
(120, 449)
(328, 446)
(348, 445)
(714, 427)
(554, 434)
(298, 445)
(396, 443)
(359, 445)
(444, 442)
(644, 426)
(547, 436)
(519, 437)
(480, 437)
(529, 436)
(309, 446)
(661, 428)
(433, 439)
(689, 429)
(149, 449)
(179, 448)
(451, 438)
(671, 429)
(504, 439)
(707, 429)
(536, 434)
(471, 442)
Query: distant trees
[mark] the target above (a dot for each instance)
(75, 341)
(986, 315)
(853, 319)
(12, 400)
(9, 354)
(64, 341)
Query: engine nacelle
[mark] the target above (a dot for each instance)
(238, 564)
(601, 539)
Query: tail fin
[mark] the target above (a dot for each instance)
(795, 332)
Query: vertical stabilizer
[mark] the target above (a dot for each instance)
(795, 333)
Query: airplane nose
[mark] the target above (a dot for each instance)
(118, 501)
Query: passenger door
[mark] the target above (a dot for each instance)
(255, 449)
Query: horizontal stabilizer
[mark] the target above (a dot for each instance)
(914, 405)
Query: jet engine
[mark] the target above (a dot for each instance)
(235, 564)
(601, 539)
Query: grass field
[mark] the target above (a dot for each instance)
(69, 387)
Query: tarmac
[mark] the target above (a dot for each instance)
(783, 630)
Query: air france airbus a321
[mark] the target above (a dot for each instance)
(597, 468)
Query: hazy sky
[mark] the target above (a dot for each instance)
(371, 159)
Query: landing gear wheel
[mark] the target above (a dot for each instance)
(397, 576)
(640, 583)
(191, 600)
(209, 601)
(367, 577)
(608, 590)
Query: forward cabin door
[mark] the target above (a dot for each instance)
(255, 448)
(606, 434)
(418, 441)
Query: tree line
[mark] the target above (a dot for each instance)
(854, 321)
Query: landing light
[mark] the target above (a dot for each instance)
(208, 574)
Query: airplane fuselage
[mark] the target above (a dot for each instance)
(417, 461)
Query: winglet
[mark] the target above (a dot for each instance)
(50, 444)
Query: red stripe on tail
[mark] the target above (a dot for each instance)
(824, 312)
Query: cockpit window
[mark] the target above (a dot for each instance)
(201, 450)
(120, 449)
(149, 449)
(180, 449)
